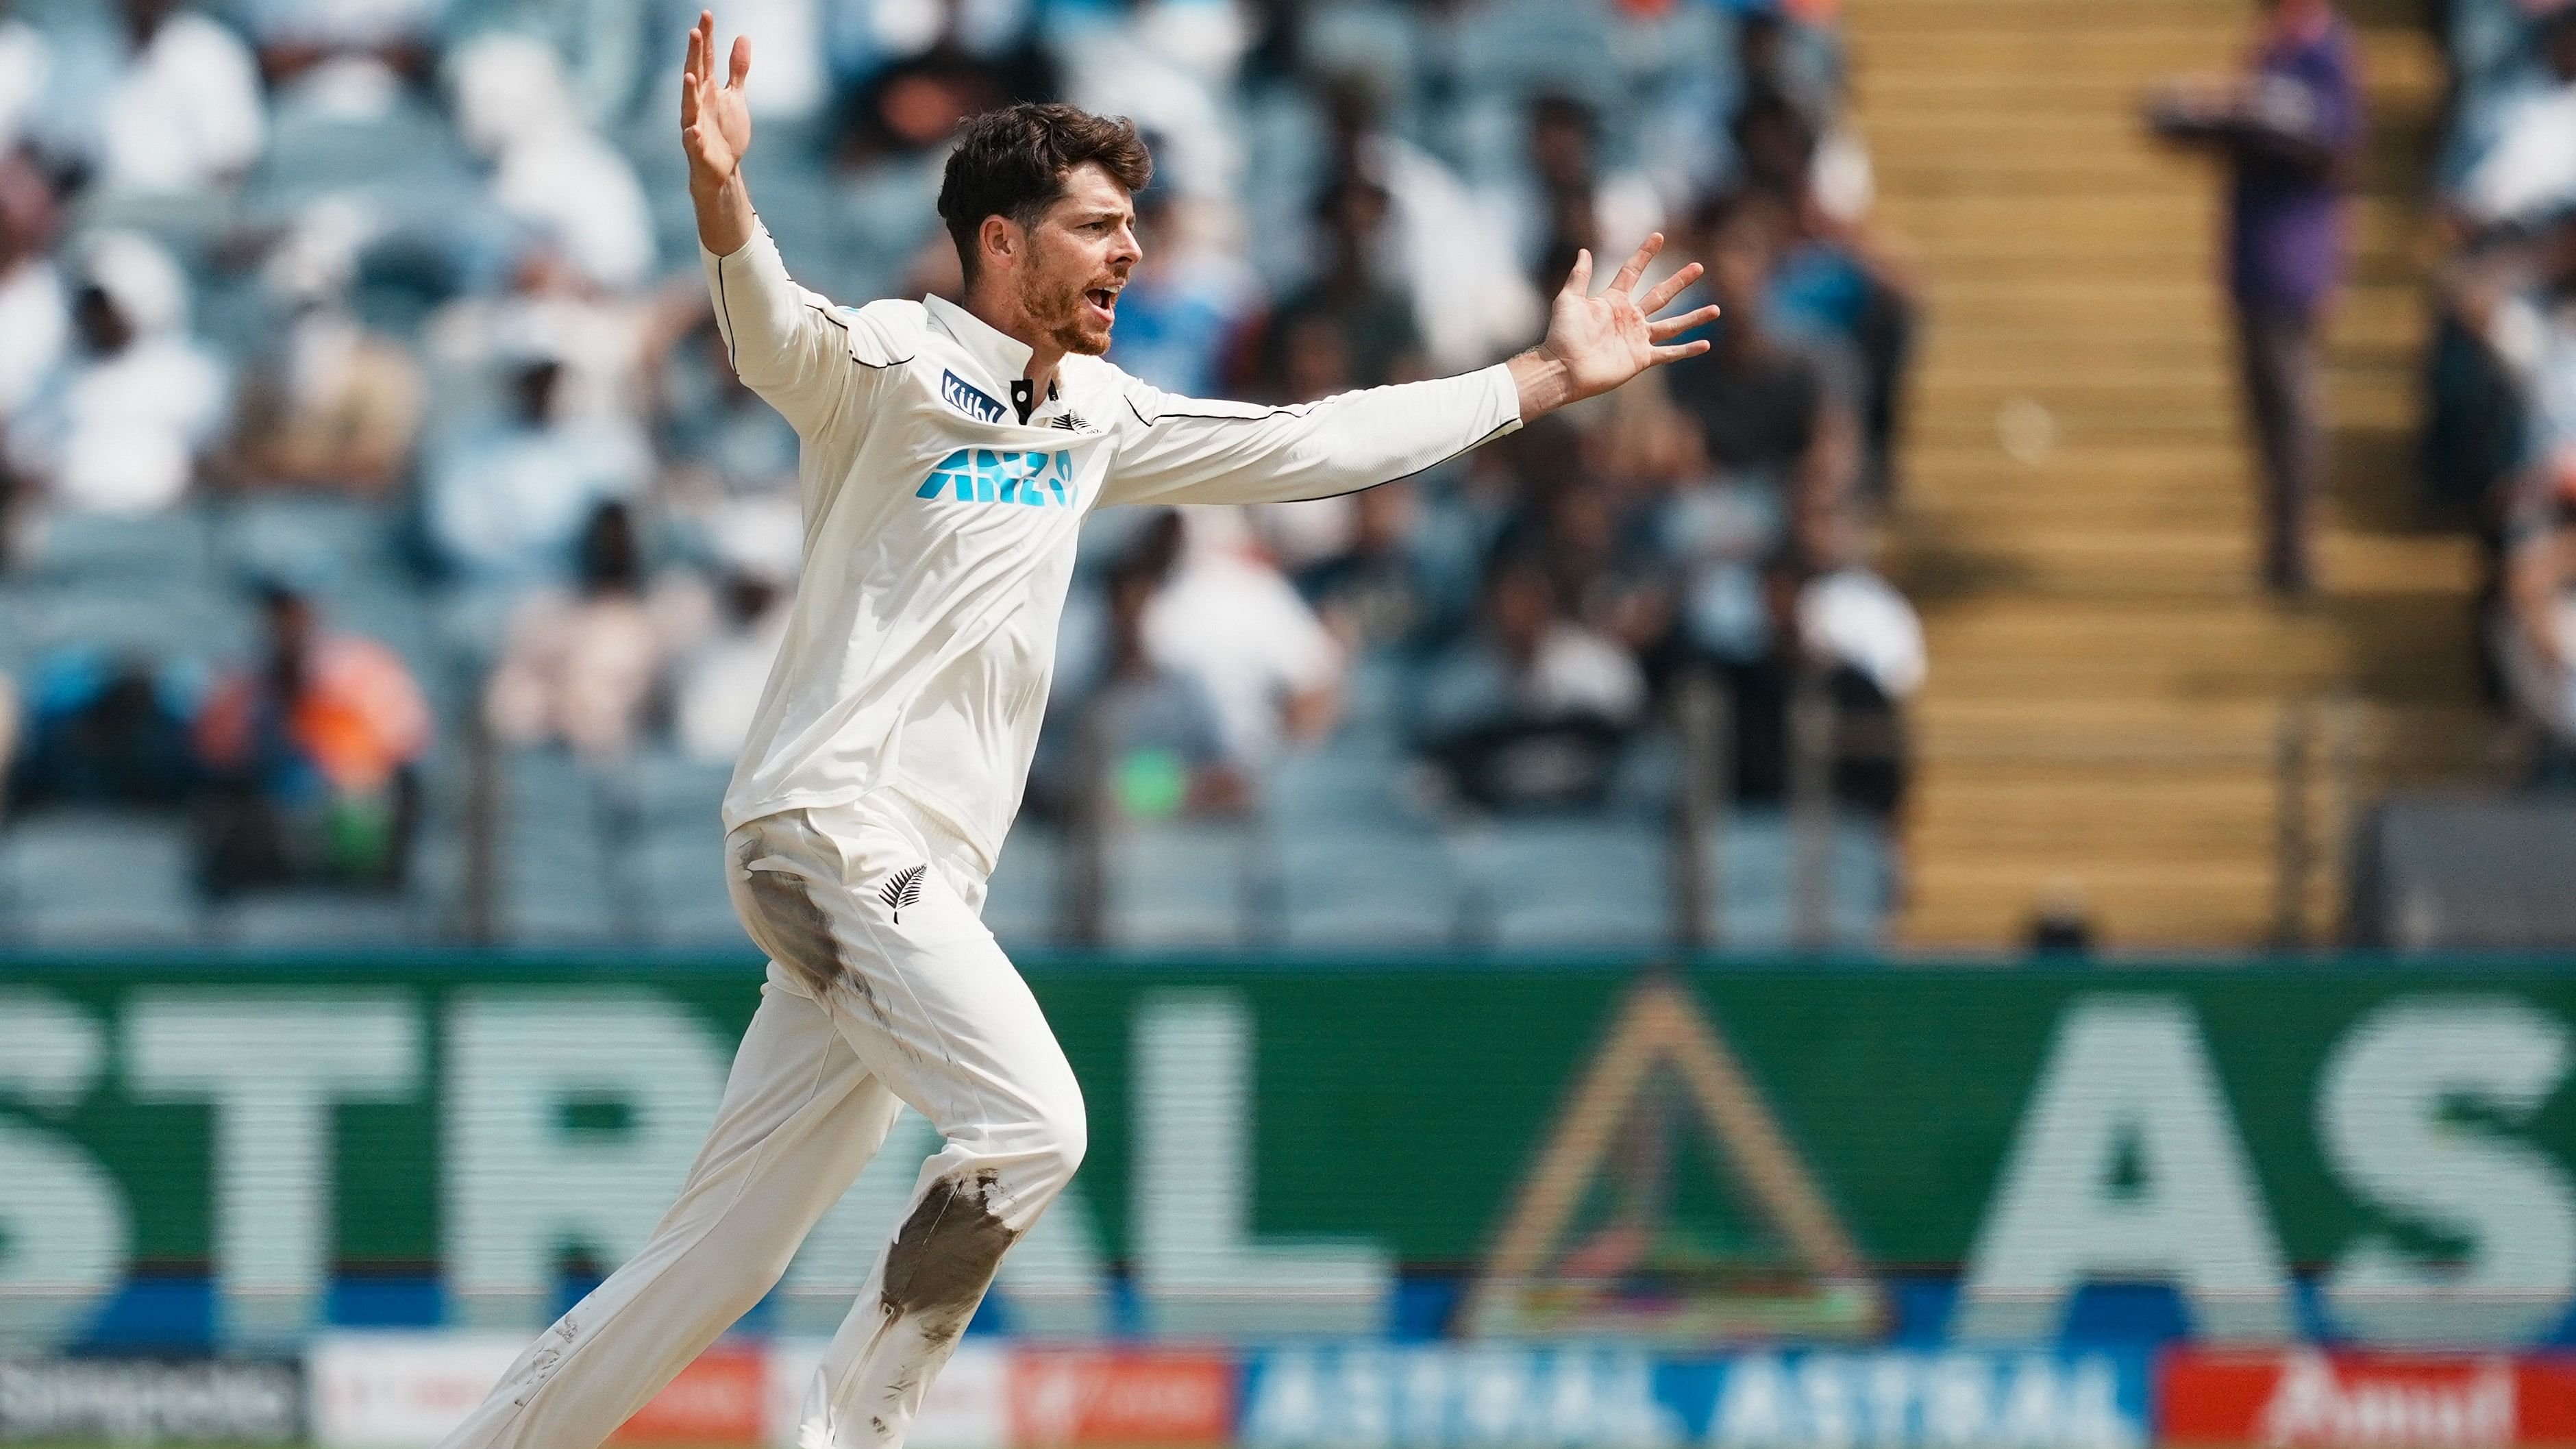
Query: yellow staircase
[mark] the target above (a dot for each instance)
(2078, 521)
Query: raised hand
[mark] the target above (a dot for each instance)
(1595, 343)
(715, 124)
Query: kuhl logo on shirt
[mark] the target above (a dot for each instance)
(968, 399)
(1001, 475)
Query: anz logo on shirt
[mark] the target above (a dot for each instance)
(1002, 475)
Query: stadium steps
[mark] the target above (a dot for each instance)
(2110, 691)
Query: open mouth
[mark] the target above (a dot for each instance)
(1103, 300)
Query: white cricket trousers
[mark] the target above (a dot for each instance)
(884, 988)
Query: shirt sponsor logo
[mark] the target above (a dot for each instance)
(1001, 475)
(968, 399)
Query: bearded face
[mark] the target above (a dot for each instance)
(1079, 257)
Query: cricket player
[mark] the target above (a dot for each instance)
(949, 455)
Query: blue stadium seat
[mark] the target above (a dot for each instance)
(1754, 857)
(162, 550)
(305, 918)
(555, 879)
(681, 868)
(1583, 882)
(1177, 883)
(97, 877)
(1366, 885)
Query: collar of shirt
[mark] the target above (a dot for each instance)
(1005, 357)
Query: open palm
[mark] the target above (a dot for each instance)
(715, 124)
(1602, 341)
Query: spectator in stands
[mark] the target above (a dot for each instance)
(1184, 303)
(26, 65)
(1128, 731)
(2519, 300)
(1377, 592)
(1569, 201)
(717, 691)
(545, 306)
(2533, 627)
(1774, 412)
(350, 47)
(1471, 301)
(330, 405)
(506, 502)
(1169, 66)
(1228, 619)
(590, 668)
(101, 729)
(550, 172)
(312, 751)
(1856, 644)
(2512, 152)
(889, 146)
(35, 317)
(1532, 709)
(120, 423)
(1371, 316)
(175, 109)
(2288, 130)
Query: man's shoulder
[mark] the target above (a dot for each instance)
(885, 333)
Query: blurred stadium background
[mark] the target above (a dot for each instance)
(1987, 865)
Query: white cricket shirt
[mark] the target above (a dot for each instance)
(940, 525)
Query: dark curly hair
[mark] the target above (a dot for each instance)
(1012, 162)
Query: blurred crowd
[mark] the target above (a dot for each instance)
(423, 269)
(2501, 375)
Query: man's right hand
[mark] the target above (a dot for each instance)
(715, 130)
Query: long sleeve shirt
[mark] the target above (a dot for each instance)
(942, 506)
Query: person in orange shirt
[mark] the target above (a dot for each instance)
(311, 750)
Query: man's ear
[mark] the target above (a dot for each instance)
(998, 238)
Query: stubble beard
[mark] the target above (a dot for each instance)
(1059, 313)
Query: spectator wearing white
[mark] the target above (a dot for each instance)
(717, 694)
(2521, 301)
(547, 305)
(35, 317)
(587, 666)
(1470, 301)
(330, 404)
(1169, 66)
(182, 112)
(120, 423)
(1227, 617)
(550, 172)
(2513, 153)
(1528, 710)
(26, 63)
(506, 501)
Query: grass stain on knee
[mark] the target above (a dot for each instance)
(946, 1254)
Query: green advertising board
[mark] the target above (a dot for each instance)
(1731, 1151)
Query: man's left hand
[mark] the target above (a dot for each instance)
(1595, 343)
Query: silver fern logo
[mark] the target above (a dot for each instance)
(902, 889)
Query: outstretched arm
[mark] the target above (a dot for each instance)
(1185, 450)
(787, 344)
(715, 129)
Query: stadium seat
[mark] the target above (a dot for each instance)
(162, 550)
(680, 869)
(1177, 883)
(1754, 895)
(97, 877)
(1364, 886)
(555, 879)
(307, 918)
(1584, 882)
